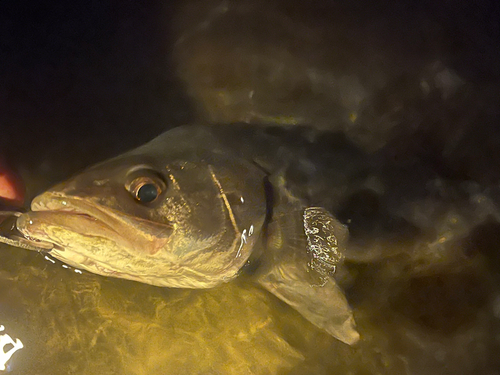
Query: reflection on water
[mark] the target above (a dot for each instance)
(72, 323)
(86, 324)
(8, 348)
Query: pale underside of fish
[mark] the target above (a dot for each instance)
(194, 208)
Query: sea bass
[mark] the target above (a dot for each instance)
(196, 207)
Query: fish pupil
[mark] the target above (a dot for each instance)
(147, 193)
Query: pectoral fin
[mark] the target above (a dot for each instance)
(324, 306)
(301, 258)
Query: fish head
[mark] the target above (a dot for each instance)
(180, 211)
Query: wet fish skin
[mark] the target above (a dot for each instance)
(189, 237)
(212, 216)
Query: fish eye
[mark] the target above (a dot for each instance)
(146, 187)
(147, 193)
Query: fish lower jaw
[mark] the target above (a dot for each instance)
(77, 260)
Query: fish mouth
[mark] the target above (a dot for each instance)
(77, 216)
(98, 238)
(57, 202)
(103, 240)
(11, 235)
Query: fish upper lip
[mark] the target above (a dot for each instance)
(57, 202)
(65, 204)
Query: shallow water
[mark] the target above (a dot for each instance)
(72, 323)
(84, 324)
(426, 298)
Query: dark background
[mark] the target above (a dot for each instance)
(84, 80)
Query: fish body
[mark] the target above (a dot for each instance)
(194, 207)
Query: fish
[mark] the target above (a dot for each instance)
(201, 205)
